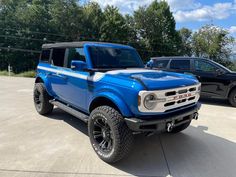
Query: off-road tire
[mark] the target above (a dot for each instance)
(232, 98)
(41, 99)
(122, 140)
(180, 127)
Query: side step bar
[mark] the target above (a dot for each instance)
(70, 110)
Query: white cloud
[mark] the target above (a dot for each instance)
(128, 6)
(183, 4)
(232, 29)
(204, 13)
(125, 6)
(183, 10)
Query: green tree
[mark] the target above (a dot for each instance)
(67, 17)
(213, 42)
(155, 26)
(132, 32)
(92, 21)
(234, 66)
(14, 33)
(27, 24)
(186, 38)
(114, 28)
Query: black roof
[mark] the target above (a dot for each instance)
(75, 44)
(176, 58)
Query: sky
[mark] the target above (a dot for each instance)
(188, 13)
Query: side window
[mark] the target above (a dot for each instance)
(180, 64)
(204, 66)
(75, 54)
(45, 55)
(58, 56)
(161, 63)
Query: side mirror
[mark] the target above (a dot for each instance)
(150, 64)
(78, 65)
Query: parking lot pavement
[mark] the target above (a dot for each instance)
(58, 145)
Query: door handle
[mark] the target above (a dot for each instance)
(62, 77)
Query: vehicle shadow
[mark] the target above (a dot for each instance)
(192, 153)
(76, 123)
(215, 101)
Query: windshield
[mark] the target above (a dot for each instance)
(108, 57)
(221, 66)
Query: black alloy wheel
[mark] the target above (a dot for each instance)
(103, 135)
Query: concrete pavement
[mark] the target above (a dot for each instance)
(58, 145)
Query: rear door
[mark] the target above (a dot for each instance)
(57, 78)
(180, 66)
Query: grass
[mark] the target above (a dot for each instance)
(23, 74)
(5, 73)
(26, 74)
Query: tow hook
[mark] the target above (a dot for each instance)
(195, 116)
(170, 126)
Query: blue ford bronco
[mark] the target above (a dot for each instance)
(107, 86)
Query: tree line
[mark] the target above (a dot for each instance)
(27, 24)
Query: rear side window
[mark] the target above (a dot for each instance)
(161, 63)
(58, 56)
(45, 55)
(75, 54)
(180, 64)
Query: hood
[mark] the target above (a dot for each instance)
(156, 80)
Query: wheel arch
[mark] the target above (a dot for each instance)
(112, 101)
(231, 90)
(39, 80)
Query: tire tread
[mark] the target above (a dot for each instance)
(46, 106)
(231, 98)
(124, 134)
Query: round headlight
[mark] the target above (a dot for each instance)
(150, 101)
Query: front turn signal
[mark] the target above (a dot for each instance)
(139, 100)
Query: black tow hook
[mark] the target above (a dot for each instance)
(170, 126)
(195, 116)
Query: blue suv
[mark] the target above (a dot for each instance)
(107, 86)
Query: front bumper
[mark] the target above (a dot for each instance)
(159, 124)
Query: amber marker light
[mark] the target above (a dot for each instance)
(139, 100)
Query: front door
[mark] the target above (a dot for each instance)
(212, 83)
(77, 81)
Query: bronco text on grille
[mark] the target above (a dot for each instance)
(171, 98)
